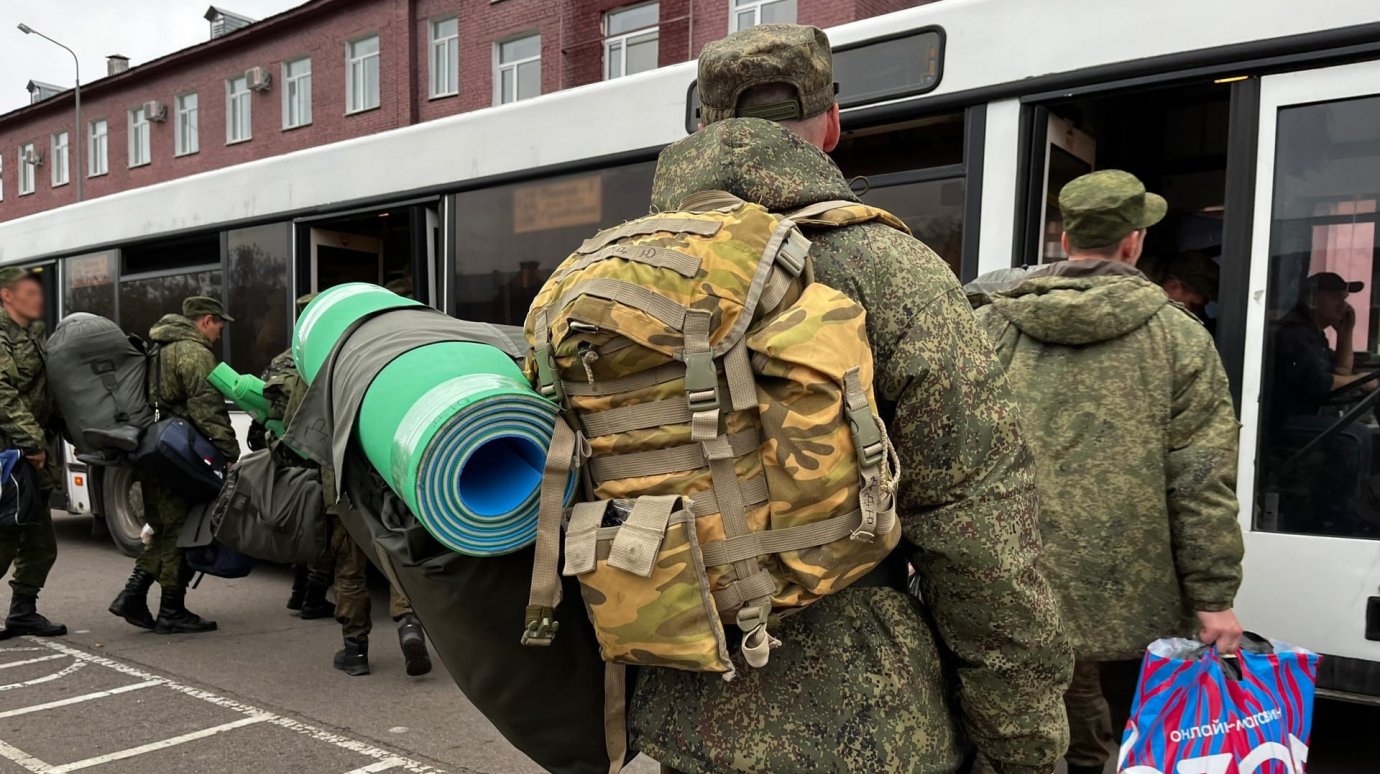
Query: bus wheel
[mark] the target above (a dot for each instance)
(122, 503)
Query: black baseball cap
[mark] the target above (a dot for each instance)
(1333, 282)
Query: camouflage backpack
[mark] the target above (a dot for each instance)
(719, 406)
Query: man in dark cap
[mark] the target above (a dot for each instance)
(178, 387)
(860, 682)
(25, 410)
(1307, 367)
(1130, 418)
(1190, 279)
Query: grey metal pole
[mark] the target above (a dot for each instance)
(79, 138)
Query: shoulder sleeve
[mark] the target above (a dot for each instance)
(17, 422)
(205, 406)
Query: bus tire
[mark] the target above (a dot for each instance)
(122, 504)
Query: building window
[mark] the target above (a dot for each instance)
(362, 75)
(296, 93)
(61, 170)
(518, 69)
(188, 136)
(99, 163)
(26, 169)
(750, 13)
(445, 57)
(239, 124)
(2, 178)
(630, 40)
(139, 150)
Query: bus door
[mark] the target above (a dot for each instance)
(338, 257)
(1310, 447)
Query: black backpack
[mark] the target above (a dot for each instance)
(271, 511)
(21, 498)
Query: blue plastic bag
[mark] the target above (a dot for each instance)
(1198, 713)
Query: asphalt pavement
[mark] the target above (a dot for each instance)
(259, 695)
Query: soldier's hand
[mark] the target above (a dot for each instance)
(39, 460)
(1220, 629)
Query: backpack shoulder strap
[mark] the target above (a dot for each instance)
(840, 212)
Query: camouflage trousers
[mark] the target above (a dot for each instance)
(1090, 721)
(353, 609)
(32, 550)
(165, 512)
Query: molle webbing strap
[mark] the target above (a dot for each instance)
(778, 541)
(640, 416)
(541, 625)
(739, 594)
(775, 292)
(658, 257)
(742, 385)
(638, 381)
(672, 460)
(650, 225)
(638, 541)
(615, 715)
(707, 201)
(701, 377)
(751, 578)
(582, 537)
(627, 294)
(754, 493)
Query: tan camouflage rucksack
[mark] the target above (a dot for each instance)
(719, 405)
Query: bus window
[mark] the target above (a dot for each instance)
(1320, 439)
(89, 284)
(258, 294)
(511, 237)
(156, 277)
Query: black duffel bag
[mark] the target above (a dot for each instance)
(271, 511)
(202, 553)
(21, 498)
(174, 455)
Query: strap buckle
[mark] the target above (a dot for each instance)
(793, 253)
(867, 437)
(541, 626)
(701, 382)
(548, 383)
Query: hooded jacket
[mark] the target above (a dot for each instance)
(1127, 409)
(185, 359)
(859, 682)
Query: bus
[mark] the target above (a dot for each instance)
(1258, 120)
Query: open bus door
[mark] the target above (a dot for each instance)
(338, 257)
(1310, 449)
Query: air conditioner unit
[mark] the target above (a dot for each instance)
(155, 110)
(258, 78)
(33, 157)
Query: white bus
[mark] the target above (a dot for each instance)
(1259, 120)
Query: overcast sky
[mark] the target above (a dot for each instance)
(139, 29)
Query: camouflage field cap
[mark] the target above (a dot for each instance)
(1102, 207)
(1196, 270)
(199, 306)
(302, 302)
(794, 55)
(12, 274)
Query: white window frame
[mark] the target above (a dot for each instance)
(98, 148)
(140, 153)
(245, 98)
(61, 164)
(735, 8)
(352, 62)
(622, 39)
(27, 174)
(297, 93)
(443, 59)
(2, 177)
(188, 118)
(500, 66)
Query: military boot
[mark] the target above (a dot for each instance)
(24, 618)
(175, 618)
(132, 604)
(299, 587)
(353, 659)
(315, 604)
(413, 641)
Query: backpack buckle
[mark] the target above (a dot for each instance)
(548, 383)
(867, 439)
(701, 382)
(541, 626)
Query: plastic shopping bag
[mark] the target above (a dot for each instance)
(1198, 713)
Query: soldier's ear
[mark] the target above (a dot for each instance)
(833, 130)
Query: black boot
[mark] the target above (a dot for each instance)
(299, 587)
(25, 619)
(132, 604)
(175, 618)
(315, 605)
(413, 642)
(353, 659)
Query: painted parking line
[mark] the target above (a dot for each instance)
(58, 675)
(79, 699)
(28, 661)
(384, 760)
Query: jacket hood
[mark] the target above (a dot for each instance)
(756, 160)
(175, 327)
(1080, 302)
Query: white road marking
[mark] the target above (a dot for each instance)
(319, 734)
(28, 661)
(24, 759)
(120, 755)
(20, 650)
(58, 675)
(373, 768)
(79, 699)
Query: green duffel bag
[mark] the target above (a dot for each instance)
(550, 703)
(271, 511)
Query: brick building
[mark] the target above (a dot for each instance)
(329, 70)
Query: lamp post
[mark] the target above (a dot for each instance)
(79, 138)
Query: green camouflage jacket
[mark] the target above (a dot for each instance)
(25, 404)
(184, 361)
(1127, 410)
(283, 387)
(869, 679)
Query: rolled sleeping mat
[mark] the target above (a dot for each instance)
(453, 427)
(246, 391)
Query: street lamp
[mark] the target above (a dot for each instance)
(79, 138)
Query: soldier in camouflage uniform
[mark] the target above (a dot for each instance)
(25, 410)
(178, 388)
(1127, 410)
(866, 683)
